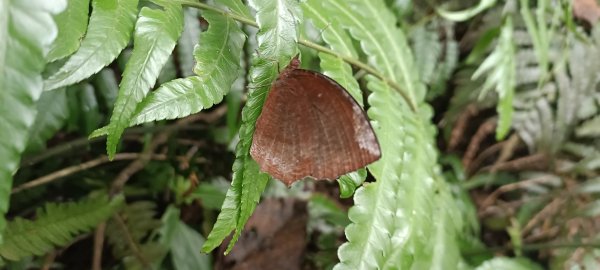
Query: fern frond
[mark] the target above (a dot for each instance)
(427, 49)
(277, 21)
(72, 23)
(339, 41)
(53, 106)
(237, 7)
(55, 225)
(27, 31)
(392, 215)
(156, 34)
(446, 66)
(501, 74)
(100, 46)
(127, 230)
(590, 128)
(217, 66)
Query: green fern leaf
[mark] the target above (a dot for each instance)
(217, 67)
(392, 218)
(340, 42)
(237, 7)
(156, 34)
(590, 128)
(72, 23)
(55, 225)
(53, 106)
(100, 46)
(26, 32)
(501, 74)
(277, 20)
(466, 14)
(134, 225)
(427, 49)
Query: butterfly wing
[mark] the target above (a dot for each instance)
(310, 126)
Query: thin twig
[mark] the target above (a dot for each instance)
(482, 132)
(77, 168)
(310, 44)
(208, 117)
(49, 260)
(98, 246)
(514, 186)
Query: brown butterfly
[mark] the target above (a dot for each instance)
(311, 127)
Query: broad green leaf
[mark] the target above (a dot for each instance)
(188, 40)
(500, 68)
(392, 220)
(53, 106)
(26, 33)
(108, 33)
(277, 21)
(217, 65)
(463, 15)
(183, 243)
(156, 33)
(72, 23)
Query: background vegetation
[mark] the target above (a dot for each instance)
(487, 113)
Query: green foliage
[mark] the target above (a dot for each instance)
(435, 58)
(500, 65)
(277, 21)
(156, 33)
(53, 106)
(55, 225)
(382, 209)
(26, 33)
(99, 47)
(408, 217)
(129, 234)
(72, 23)
(466, 14)
(217, 66)
(183, 242)
(108, 88)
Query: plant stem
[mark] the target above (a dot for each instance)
(310, 44)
